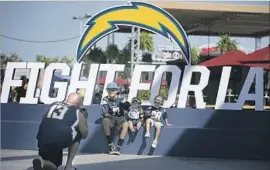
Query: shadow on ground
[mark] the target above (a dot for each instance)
(173, 163)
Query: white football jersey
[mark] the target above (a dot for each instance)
(133, 113)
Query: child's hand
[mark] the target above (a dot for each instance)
(169, 125)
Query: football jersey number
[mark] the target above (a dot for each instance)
(57, 112)
(156, 115)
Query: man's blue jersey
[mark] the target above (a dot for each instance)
(59, 124)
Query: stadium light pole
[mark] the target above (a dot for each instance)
(81, 19)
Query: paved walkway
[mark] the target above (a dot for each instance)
(21, 160)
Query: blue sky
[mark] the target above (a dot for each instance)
(53, 20)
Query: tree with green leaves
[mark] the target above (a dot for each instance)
(95, 55)
(48, 60)
(195, 55)
(68, 60)
(124, 56)
(112, 53)
(3, 60)
(12, 58)
(226, 44)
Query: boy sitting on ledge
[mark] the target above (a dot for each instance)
(135, 115)
(154, 114)
(113, 111)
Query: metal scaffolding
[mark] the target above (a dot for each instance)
(135, 48)
(110, 39)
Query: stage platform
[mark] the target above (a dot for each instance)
(21, 160)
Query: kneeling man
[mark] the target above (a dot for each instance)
(63, 126)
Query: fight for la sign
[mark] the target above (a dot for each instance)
(64, 88)
(153, 19)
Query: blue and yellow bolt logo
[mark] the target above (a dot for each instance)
(139, 14)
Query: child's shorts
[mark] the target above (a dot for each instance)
(155, 123)
(134, 121)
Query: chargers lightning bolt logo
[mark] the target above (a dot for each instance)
(139, 14)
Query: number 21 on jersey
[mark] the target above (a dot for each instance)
(57, 112)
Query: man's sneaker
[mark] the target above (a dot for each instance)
(37, 164)
(111, 149)
(117, 150)
(147, 135)
(154, 144)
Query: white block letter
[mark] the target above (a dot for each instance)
(62, 86)
(135, 83)
(176, 72)
(186, 86)
(257, 96)
(223, 85)
(8, 81)
(34, 71)
(87, 85)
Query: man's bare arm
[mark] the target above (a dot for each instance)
(83, 126)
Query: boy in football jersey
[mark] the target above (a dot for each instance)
(155, 114)
(114, 110)
(135, 115)
(63, 126)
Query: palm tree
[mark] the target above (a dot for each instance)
(146, 42)
(68, 60)
(41, 58)
(195, 56)
(47, 60)
(226, 44)
(112, 53)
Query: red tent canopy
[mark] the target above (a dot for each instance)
(230, 58)
(163, 82)
(260, 56)
(119, 81)
(122, 82)
(101, 80)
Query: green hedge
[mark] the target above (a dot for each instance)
(145, 94)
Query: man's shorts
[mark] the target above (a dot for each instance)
(156, 123)
(115, 120)
(53, 152)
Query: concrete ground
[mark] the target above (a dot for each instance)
(21, 160)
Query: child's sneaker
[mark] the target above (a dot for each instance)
(154, 144)
(147, 135)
